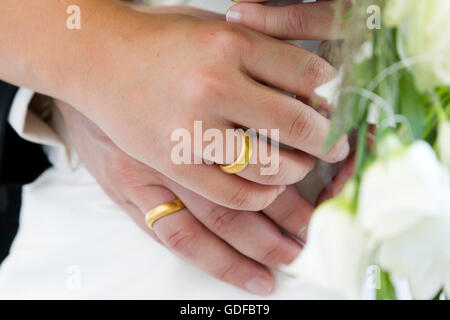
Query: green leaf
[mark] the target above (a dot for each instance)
(352, 109)
(438, 295)
(361, 159)
(346, 118)
(413, 106)
(386, 290)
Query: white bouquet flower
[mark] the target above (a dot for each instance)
(338, 250)
(444, 142)
(404, 204)
(423, 33)
(394, 212)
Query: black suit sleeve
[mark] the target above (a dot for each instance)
(7, 93)
(20, 161)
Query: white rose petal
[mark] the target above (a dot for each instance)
(398, 193)
(421, 255)
(405, 205)
(336, 255)
(423, 31)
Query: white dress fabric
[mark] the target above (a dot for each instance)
(75, 243)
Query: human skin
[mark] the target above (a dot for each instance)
(295, 22)
(140, 76)
(304, 21)
(234, 246)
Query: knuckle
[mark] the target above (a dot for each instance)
(317, 71)
(285, 215)
(241, 199)
(220, 218)
(228, 38)
(298, 21)
(180, 240)
(248, 199)
(302, 126)
(265, 23)
(273, 255)
(122, 173)
(205, 87)
(279, 175)
(228, 272)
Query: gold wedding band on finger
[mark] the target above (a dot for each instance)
(163, 210)
(243, 159)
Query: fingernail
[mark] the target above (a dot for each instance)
(282, 189)
(302, 233)
(259, 286)
(345, 151)
(234, 16)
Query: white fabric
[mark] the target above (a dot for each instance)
(75, 243)
(51, 135)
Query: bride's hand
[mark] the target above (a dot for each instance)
(233, 246)
(304, 21)
(160, 73)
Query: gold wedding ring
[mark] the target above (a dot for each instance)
(243, 159)
(163, 210)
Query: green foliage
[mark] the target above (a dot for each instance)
(381, 83)
(438, 295)
(386, 290)
(439, 110)
(413, 106)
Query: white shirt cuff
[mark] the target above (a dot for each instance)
(51, 134)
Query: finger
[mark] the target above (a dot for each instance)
(291, 212)
(337, 185)
(344, 175)
(231, 191)
(299, 125)
(206, 178)
(268, 164)
(311, 21)
(280, 167)
(131, 209)
(287, 67)
(250, 233)
(187, 238)
(325, 195)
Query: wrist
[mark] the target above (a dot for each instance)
(108, 52)
(81, 62)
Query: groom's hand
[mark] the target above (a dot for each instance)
(304, 21)
(154, 77)
(233, 246)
